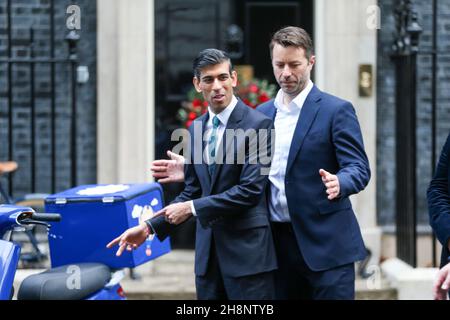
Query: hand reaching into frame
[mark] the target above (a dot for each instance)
(441, 285)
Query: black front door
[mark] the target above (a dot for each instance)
(260, 19)
(182, 29)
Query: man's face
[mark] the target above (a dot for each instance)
(216, 84)
(291, 68)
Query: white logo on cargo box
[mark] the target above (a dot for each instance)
(137, 211)
(101, 190)
(143, 213)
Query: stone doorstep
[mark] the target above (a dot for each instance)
(171, 277)
(161, 288)
(411, 283)
(368, 289)
(161, 293)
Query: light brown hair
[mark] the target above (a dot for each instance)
(293, 36)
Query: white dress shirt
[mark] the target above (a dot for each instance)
(285, 123)
(223, 117)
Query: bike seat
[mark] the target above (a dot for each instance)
(69, 282)
(8, 166)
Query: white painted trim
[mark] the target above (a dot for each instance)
(319, 43)
(126, 104)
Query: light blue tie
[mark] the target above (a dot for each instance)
(212, 145)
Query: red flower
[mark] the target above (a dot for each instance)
(263, 97)
(192, 115)
(253, 88)
(247, 102)
(188, 123)
(205, 103)
(196, 102)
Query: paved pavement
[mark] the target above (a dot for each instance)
(169, 277)
(172, 277)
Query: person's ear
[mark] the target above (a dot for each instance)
(234, 78)
(196, 83)
(312, 60)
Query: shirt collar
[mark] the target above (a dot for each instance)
(225, 114)
(298, 101)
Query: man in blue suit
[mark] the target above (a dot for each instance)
(234, 252)
(438, 196)
(319, 161)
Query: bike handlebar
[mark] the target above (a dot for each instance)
(46, 217)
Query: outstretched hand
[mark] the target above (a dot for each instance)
(331, 182)
(130, 239)
(167, 171)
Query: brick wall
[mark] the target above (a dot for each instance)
(35, 14)
(386, 105)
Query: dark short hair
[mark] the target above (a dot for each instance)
(295, 37)
(210, 57)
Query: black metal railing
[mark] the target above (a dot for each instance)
(406, 52)
(434, 112)
(406, 47)
(31, 60)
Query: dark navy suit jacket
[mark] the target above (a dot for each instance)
(231, 205)
(439, 201)
(327, 136)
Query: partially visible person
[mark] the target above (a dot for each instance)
(438, 196)
(319, 162)
(441, 286)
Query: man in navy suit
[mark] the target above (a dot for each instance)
(438, 196)
(234, 252)
(318, 162)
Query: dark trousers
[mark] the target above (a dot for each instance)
(214, 286)
(295, 280)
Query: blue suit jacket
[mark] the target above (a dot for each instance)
(439, 201)
(231, 205)
(327, 136)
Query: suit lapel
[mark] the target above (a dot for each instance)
(305, 120)
(272, 111)
(226, 144)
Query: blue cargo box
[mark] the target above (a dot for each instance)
(94, 215)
